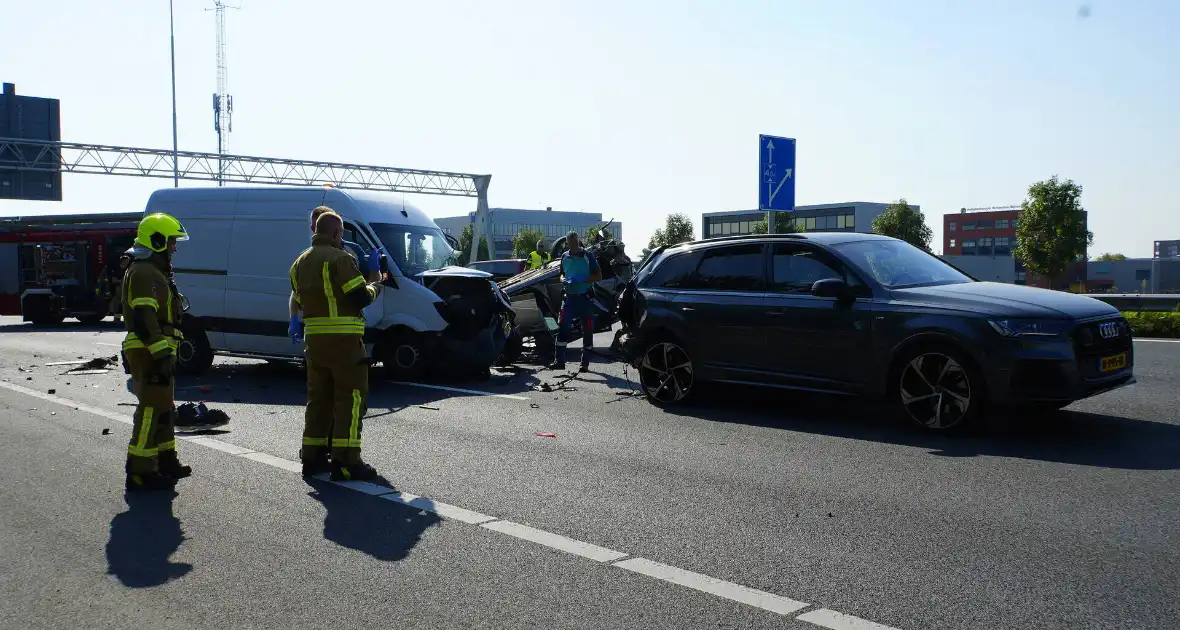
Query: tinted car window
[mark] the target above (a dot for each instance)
(732, 268)
(673, 272)
(797, 268)
(897, 264)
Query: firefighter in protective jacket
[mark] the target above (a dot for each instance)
(331, 293)
(151, 313)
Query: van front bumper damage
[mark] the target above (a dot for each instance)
(479, 320)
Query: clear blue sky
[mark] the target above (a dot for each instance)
(640, 108)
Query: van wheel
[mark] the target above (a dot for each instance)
(194, 355)
(401, 356)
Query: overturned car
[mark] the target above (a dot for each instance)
(536, 297)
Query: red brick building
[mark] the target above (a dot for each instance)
(992, 232)
(980, 231)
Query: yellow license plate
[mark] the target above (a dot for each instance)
(1117, 362)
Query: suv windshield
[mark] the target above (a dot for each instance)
(899, 265)
(414, 248)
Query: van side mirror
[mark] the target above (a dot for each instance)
(832, 288)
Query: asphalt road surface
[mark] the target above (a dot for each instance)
(747, 509)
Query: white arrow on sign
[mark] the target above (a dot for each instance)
(770, 147)
(786, 176)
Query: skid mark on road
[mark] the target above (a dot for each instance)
(673, 575)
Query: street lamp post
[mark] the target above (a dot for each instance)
(172, 36)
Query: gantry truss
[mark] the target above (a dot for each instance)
(98, 159)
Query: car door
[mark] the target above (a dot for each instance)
(815, 342)
(721, 304)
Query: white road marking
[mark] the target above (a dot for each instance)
(461, 390)
(79, 362)
(681, 577)
(224, 447)
(444, 510)
(556, 541)
(713, 586)
(839, 621)
(1153, 340)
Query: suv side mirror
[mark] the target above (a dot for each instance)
(831, 288)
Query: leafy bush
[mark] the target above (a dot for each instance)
(1147, 324)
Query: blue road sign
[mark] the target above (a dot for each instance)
(776, 173)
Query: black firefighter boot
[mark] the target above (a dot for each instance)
(147, 482)
(315, 463)
(170, 465)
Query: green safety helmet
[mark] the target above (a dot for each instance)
(156, 229)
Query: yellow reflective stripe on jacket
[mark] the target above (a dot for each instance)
(295, 283)
(352, 284)
(328, 292)
(146, 301)
(334, 330)
(333, 321)
(161, 345)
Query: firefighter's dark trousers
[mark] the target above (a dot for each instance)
(152, 434)
(337, 395)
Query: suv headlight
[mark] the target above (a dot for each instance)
(1028, 327)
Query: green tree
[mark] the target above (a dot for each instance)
(463, 256)
(1109, 257)
(784, 223)
(903, 222)
(1052, 232)
(525, 242)
(677, 229)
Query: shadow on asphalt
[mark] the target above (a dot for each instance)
(280, 383)
(142, 540)
(108, 325)
(1068, 437)
(376, 527)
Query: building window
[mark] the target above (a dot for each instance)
(809, 224)
(969, 248)
(967, 227)
(952, 226)
(985, 246)
(850, 221)
(952, 242)
(744, 227)
(1002, 224)
(985, 225)
(1003, 245)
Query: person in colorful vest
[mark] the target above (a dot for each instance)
(579, 271)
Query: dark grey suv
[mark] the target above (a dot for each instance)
(862, 314)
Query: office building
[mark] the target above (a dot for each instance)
(853, 216)
(508, 222)
(980, 231)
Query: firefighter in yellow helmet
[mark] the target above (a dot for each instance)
(331, 293)
(151, 313)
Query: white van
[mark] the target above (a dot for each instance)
(234, 272)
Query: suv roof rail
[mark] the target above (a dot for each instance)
(749, 237)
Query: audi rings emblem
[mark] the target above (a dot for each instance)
(1108, 330)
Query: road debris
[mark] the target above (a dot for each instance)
(106, 431)
(90, 372)
(52, 391)
(430, 407)
(542, 434)
(103, 364)
(197, 417)
(534, 405)
(65, 363)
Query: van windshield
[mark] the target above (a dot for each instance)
(415, 248)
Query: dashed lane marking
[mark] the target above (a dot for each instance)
(713, 586)
(839, 621)
(556, 541)
(728, 590)
(460, 390)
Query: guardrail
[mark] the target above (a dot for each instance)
(1151, 302)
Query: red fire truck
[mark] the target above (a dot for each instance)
(63, 265)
